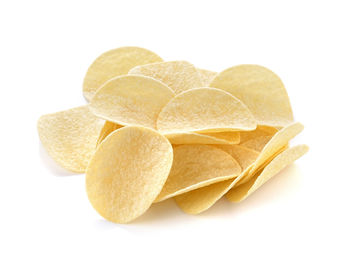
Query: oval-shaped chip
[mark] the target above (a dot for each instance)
(199, 200)
(204, 110)
(115, 63)
(70, 137)
(131, 100)
(177, 75)
(197, 166)
(282, 160)
(260, 89)
(127, 172)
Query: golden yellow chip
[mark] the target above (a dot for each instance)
(197, 166)
(275, 146)
(127, 172)
(107, 128)
(131, 100)
(257, 143)
(177, 75)
(205, 138)
(285, 158)
(206, 76)
(70, 137)
(204, 110)
(258, 132)
(261, 90)
(115, 63)
(199, 200)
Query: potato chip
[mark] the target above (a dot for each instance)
(177, 75)
(275, 146)
(127, 172)
(206, 76)
(115, 63)
(204, 110)
(257, 143)
(261, 90)
(205, 138)
(285, 158)
(107, 128)
(199, 200)
(258, 132)
(131, 100)
(70, 137)
(196, 166)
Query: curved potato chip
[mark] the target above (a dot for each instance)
(115, 63)
(199, 200)
(258, 143)
(196, 166)
(70, 136)
(204, 110)
(285, 158)
(177, 75)
(127, 172)
(206, 76)
(107, 128)
(205, 138)
(131, 100)
(277, 144)
(261, 90)
(259, 131)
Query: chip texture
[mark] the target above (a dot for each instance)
(204, 110)
(196, 166)
(205, 138)
(131, 100)
(107, 128)
(199, 200)
(127, 172)
(115, 63)
(282, 160)
(70, 137)
(177, 75)
(206, 76)
(261, 90)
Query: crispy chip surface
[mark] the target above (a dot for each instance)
(199, 200)
(177, 75)
(70, 136)
(131, 100)
(205, 138)
(114, 63)
(261, 90)
(196, 166)
(127, 172)
(204, 110)
(107, 128)
(206, 76)
(282, 160)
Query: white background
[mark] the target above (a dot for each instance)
(46, 48)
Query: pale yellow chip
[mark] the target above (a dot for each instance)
(204, 110)
(207, 76)
(197, 166)
(282, 160)
(205, 138)
(261, 90)
(275, 146)
(177, 75)
(107, 128)
(115, 63)
(127, 172)
(257, 143)
(70, 137)
(131, 100)
(199, 200)
(258, 132)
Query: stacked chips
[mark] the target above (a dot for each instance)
(155, 130)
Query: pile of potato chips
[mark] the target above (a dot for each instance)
(155, 130)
